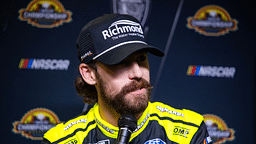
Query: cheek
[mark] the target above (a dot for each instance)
(114, 83)
(115, 86)
(146, 74)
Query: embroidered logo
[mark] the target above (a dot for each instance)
(73, 141)
(155, 141)
(75, 122)
(122, 28)
(207, 140)
(169, 111)
(105, 127)
(181, 131)
(103, 142)
(142, 123)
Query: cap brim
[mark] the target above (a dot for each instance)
(118, 54)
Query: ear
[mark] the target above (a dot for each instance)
(87, 73)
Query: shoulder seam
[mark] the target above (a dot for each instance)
(81, 114)
(74, 133)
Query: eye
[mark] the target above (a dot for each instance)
(142, 58)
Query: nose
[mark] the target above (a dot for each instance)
(135, 71)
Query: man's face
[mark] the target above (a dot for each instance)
(125, 87)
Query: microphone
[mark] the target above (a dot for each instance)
(127, 123)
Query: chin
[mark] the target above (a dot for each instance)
(137, 105)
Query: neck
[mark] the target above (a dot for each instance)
(108, 114)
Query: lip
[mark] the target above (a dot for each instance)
(139, 91)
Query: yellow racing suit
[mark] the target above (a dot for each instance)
(159, 124)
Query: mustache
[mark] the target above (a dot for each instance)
(135, 85)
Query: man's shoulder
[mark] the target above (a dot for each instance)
(164, 111)
(80, 122)
(180, 125)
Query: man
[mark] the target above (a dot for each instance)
(115, 76)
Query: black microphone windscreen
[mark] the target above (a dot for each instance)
(128, 120)
(127, 123)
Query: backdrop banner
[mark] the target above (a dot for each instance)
(208, 67)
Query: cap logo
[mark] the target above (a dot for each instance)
(122, 27)
(86, 55)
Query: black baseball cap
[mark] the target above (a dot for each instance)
(111, 38)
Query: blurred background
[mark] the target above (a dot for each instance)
(209, 66)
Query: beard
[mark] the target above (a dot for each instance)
(120, 103)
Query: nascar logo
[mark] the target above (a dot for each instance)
(44, 64)
(211, 71)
